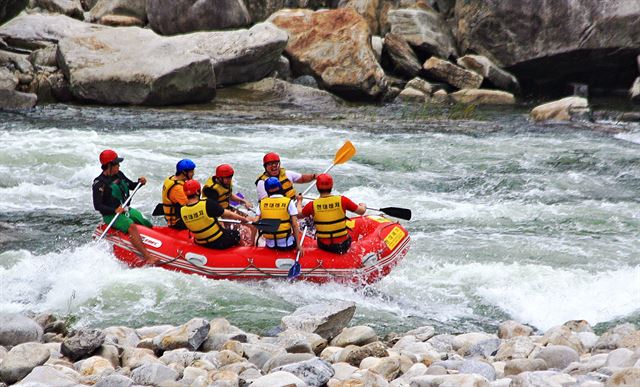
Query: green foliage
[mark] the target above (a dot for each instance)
(428, 111)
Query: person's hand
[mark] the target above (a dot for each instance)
(142, 180)
(363, 205)
(248, 204)
(301, 251)
(299, 198)
(119, 210)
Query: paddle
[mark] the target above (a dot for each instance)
(294, 271)
(268, 226)
(396, 212)
(116, 217)
(344, 154)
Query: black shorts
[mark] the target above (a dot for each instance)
(229, 238)
(336, 248)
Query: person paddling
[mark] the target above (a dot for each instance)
(219, 187)
(272, 168)
(201, 218)
(173, 197)
(110, 190)
(330, 216)
(277, 206)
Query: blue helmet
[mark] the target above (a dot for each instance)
(185, 165)
(272, 185)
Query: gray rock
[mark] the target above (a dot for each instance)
(33, 31)
(517, 366)
(10, 8)
(628, 377)
(306, 80)
(153, 374)
(426, 332)
(442, 343)
(15, 100)
(189, 335)
(478, 367)
(203, 15)
(278, 379)
(259, 359)
(485, 348)
(578, 325)
(129, 65)
(71, 8)
(283, 69)
(15, 328)
(47, 375)
(377, 44)
(564, 109)
(21, 360)
(412, 95)
(123, 336)
(542, 378)
(114, 380)
(16, 61)
(327, 320)
(489, 71)
(400, 56)
(249, 375)
(133, 8)
(621, 358)
(215, 341)
(313, 372)
(272, 90)
(558, 356)
(8, 81)
(518, 347)
(462, 380)
(82, 343)
(281, 360)
(354, 355)
(423, 29)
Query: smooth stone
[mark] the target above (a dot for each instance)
(388, 367)
(485, 348)
(278, 379)
(410, 94)
(152, 331)
(111, 353)
(483, 97)
(366, 378)
(562, 335)
(94, 366)
(628, 377)
(558, 356)
(153, 374)
(21, 360)
(314, 372)
(452, 74)
(133, 358)
(343, 371)
(478, 367)
(517, 366)
(426, 332)
(560, 110)
(114, 380)
(189, 335)
(281, 360)
(33, 31)
(463, 380)
(578, 326)
(48, 375)
(621, 358)
(542, 378)
(15, 328)
(518, 347)
(358, 335)
(124, 336)
(491, 72)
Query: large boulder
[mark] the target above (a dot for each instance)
(398, 56)
(82, 343)
(71, 8)
(334, 46)
(490, 72)
(37, 31)
(130, 65)
(424, 30)
(456, 76)
(561, 110)
(133, 8)
(327, 320)
(483, 97)
(15, 328)
(170, 17)
(367, 8)
(592, 41)
(189, 335)
(260, 10)
(10, 8)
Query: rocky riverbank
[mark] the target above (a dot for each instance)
(433, 52)
(314, 346)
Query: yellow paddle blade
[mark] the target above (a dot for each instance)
(345, 153)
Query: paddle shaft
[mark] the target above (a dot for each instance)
(396, 212)
(304, 234)
(118, 214)
(344, 154)
(313, 183)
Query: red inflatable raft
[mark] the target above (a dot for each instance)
(378, 245)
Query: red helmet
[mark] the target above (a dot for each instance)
(191, 187)
(224, 170)
(324, 182)
(108, 156)
(270, 157)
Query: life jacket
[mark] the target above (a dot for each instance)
(171, 209)
(277, 208)
(287, 185)
(329, 217)
(204, 228)
(224, 193)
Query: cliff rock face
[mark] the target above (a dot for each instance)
(544, 41)
(170, 17)
(10, 8)
(334, 47)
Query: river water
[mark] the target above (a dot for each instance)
(511, 220)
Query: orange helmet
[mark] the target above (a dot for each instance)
(109, 156)
(224, 170)
(324, 181)
(270, 157)
(191, 188)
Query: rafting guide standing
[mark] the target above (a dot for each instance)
(110, 191)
